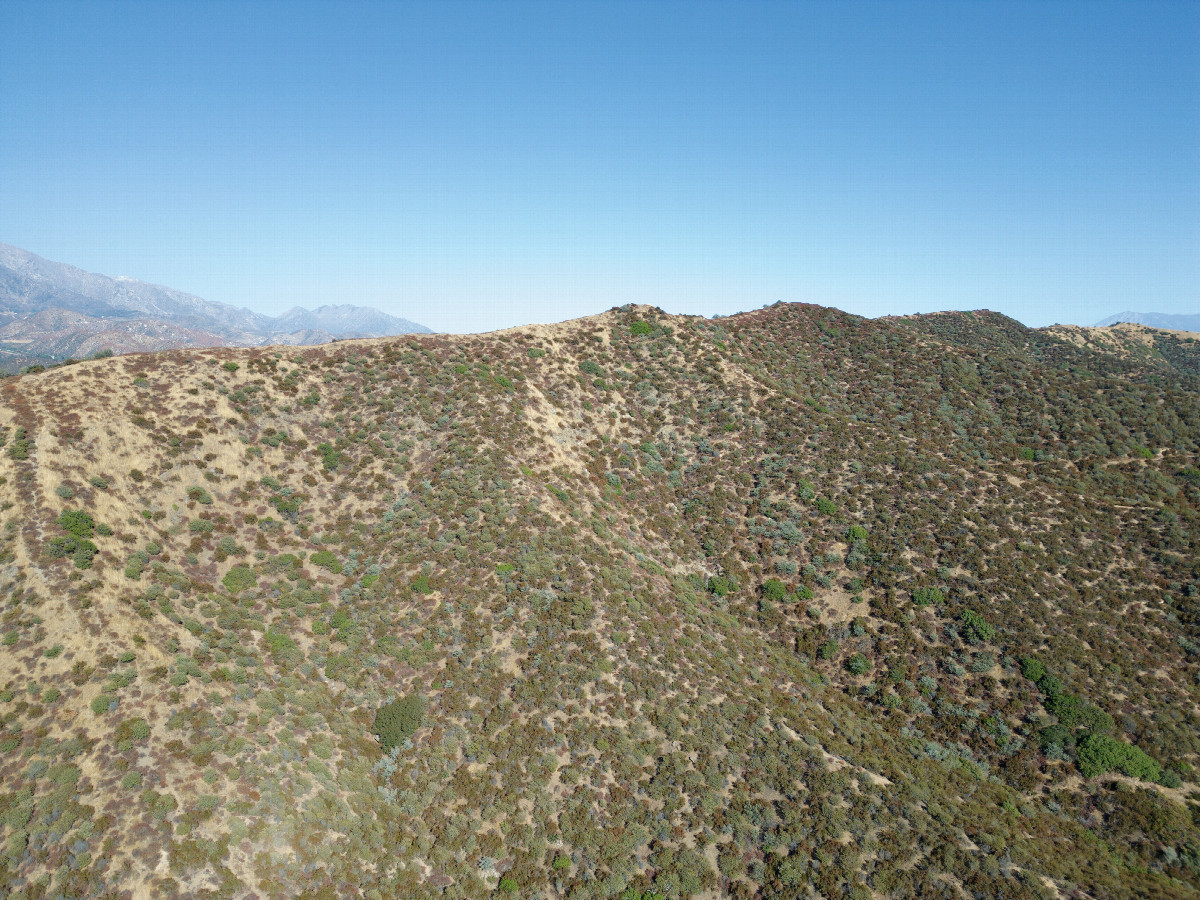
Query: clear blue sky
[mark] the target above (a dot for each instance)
(479, 165)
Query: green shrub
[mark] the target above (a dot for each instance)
(396, 721)
(1056, 736)
(279, 644)
(21, 444)
(855, 534)
(1099, 753)
(536, 352)
(774, 590)
(239, 578)
(1032, 669)
(591, 367)
(1075, 713)
(641, 328)
(200, 495)
(136, 564)
(131, 780)
(507, 885)
(928, 596)
(982, 662)
(101, 703)
(330, 457)
(200, 526)
(976, 628)
(326, 559)
(79, 526)
(1049, 685)
(720, 586)
(288, 506)
(77, 522)
(826, 507)
(230, 366)
(858, 664)
(828, 650)
(65, 491)
(421, 585)
(80, 550)
(135, 730)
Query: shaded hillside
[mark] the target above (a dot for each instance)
(787, 604)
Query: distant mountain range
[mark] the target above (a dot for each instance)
(1154, 320)
(50, 311)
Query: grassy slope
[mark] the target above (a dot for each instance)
(522, 527)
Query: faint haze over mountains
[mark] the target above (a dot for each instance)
(50, 311)
(1155, 320)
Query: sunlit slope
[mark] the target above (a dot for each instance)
(786, 604)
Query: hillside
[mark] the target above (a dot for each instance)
(50, 311)
(1175, 350)
(787, 604)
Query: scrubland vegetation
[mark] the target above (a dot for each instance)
(789, 604)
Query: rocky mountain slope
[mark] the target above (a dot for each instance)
(787, 604)
(50, 311)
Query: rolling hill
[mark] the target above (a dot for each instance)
(785, 604)
(1172, 350)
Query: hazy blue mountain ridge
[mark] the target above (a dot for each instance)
(1155, 320)
(30, 286)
